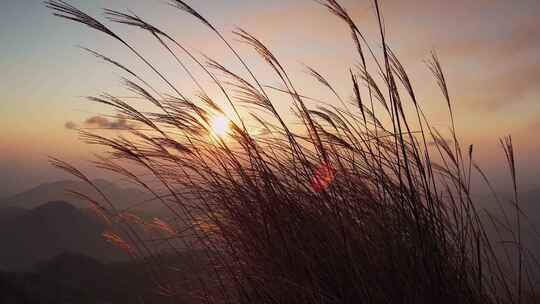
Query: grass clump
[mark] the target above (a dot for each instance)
(349, 207)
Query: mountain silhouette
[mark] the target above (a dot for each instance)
(139, 201)
(9, 213)
(76, 278)
(49, 230)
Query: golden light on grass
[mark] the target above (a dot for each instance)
(220, 125)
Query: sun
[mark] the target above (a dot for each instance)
(220, 125)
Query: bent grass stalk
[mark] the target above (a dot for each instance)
(350, 208)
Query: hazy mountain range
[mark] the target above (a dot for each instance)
(29, 236)
(47, 220)
(58, 191)
(53, 250)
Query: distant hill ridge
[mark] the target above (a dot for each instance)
(48, 230)
(58, 191)
(47, 220)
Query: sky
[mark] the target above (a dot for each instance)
(490, 50)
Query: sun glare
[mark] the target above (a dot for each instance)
(220, 125)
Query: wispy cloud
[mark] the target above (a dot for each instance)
(118, 123)
(70, 125)
(101, 122)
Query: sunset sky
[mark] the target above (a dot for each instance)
(490, 50)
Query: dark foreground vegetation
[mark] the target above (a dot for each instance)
(355, 200)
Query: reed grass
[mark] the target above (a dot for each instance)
(351, 207)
